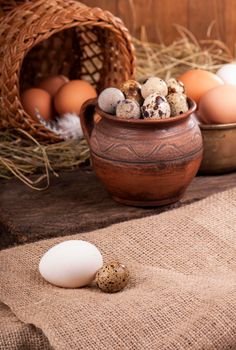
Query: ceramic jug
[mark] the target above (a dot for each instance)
(143, 162)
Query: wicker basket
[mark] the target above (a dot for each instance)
(43, 38)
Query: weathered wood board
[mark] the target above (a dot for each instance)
(158, 17)
(77, 202)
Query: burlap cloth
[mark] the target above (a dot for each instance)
(182, 292)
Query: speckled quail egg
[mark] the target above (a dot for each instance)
(178, 104)
(109, 99)
(175, 86)
(128, 109)
(156, 107)
(112, 277)
(132, 90)
(154, 85)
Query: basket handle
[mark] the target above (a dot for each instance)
(86, 117)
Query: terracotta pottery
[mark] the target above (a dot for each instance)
(143, 162)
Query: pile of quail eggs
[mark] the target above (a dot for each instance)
(154, 99)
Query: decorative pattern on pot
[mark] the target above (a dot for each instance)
(158, 146)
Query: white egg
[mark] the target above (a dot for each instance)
(71, 264)
(228, 73)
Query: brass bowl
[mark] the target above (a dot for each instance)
(219, 143)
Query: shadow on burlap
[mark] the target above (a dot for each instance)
(16, 335)
(181, 295)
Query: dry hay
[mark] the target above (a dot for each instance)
(21, 156)
(184, 53)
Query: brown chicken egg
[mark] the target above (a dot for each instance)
(53, 84)
(34, 100)
(72, 95)
(218, 105)
(197, 82)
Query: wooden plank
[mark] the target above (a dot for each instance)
(77, 202)
(230, 24)
(167, 14)
(158, 17)
(201, 14)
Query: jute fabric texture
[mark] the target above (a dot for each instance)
(181, 295)
(16, 335)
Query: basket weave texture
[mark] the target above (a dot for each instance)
(43, 38)
(8, 5)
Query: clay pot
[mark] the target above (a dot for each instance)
(143, 162)
(219, 148)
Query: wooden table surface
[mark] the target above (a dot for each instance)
(77, 202)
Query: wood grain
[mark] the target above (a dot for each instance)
(201, 14)
(77, 202)
(159, 17)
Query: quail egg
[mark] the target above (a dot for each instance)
(109, 99)
(128, 109)
(156, 106)
(178, 104)
(112, 277)
(154, 85)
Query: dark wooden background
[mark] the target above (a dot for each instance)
(158, 16)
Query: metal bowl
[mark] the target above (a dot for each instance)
(219, 155)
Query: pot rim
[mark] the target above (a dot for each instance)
(150, 121)
(217, 126)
